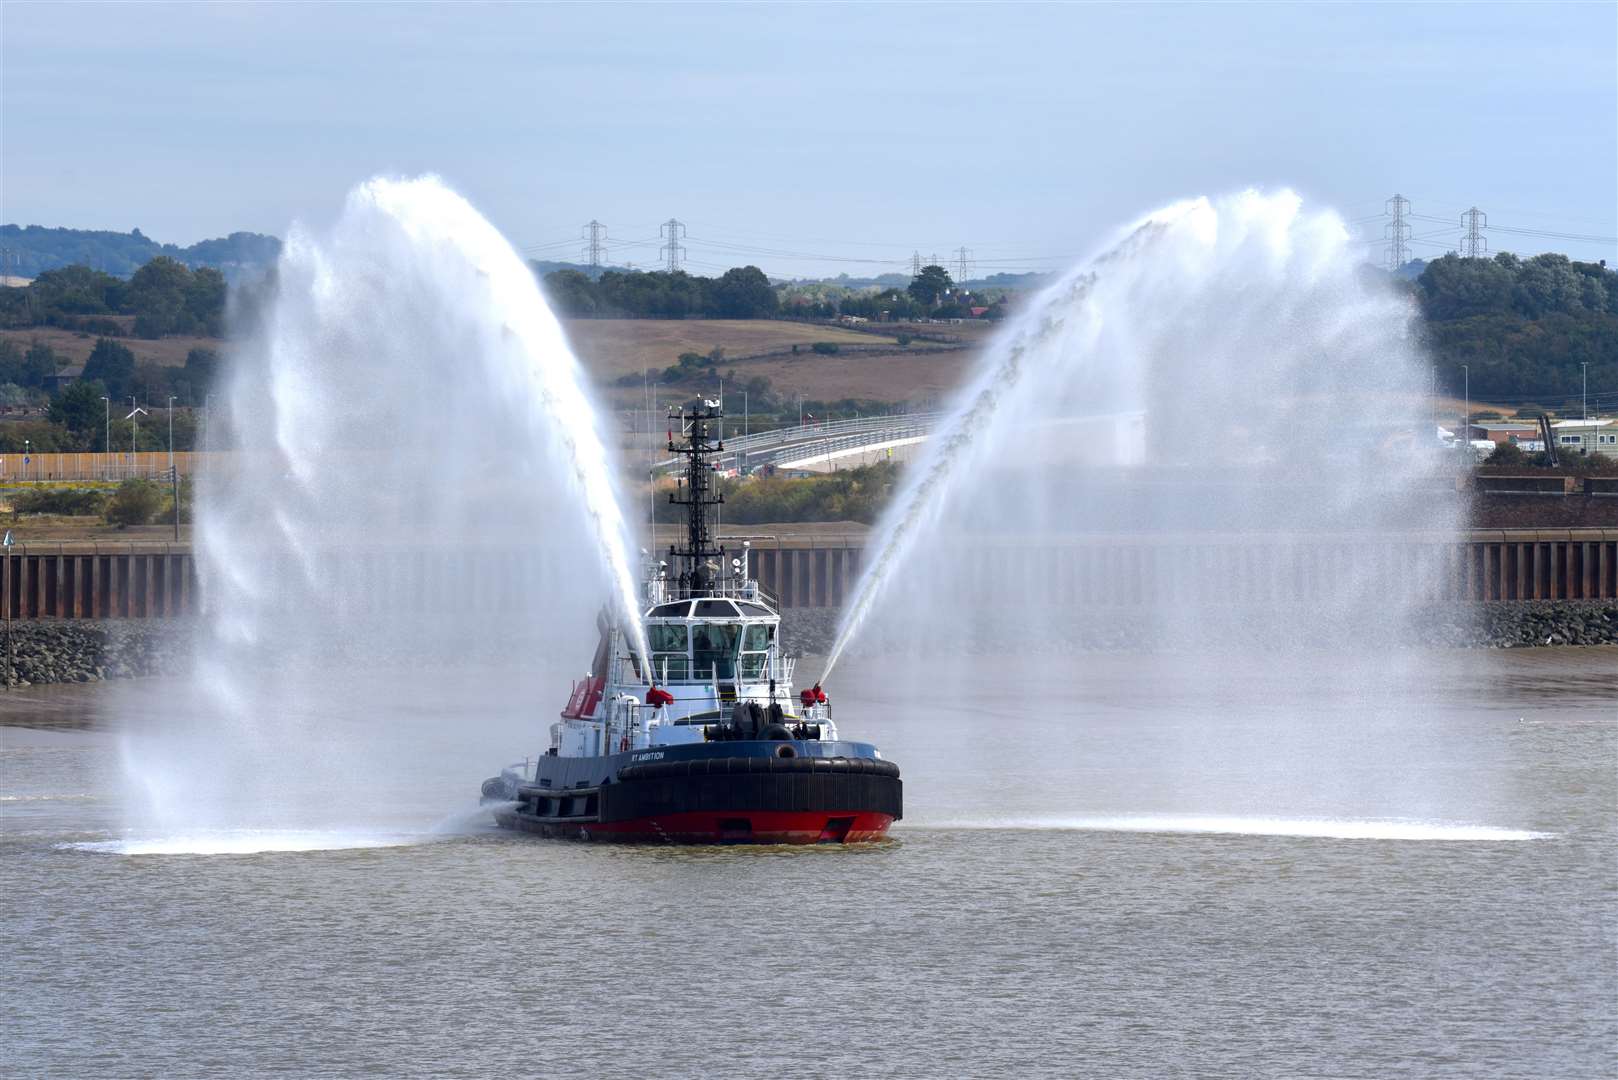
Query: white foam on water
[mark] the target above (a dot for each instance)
(1313, 828)
(246, 842)
(80, 797)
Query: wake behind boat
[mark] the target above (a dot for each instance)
(711, 745)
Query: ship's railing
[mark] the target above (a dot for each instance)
(663, 590)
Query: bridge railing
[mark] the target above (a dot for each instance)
(782, 444)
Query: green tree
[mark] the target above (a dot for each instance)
(135, 502)
(113, 365)
(197, 378)
(1507, 454)
(157, 297)
(571, 293)
(39, 364)
(743, 293)
(79, 409)
(927, 286)
(205, 301)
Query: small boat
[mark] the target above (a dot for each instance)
(702, 740)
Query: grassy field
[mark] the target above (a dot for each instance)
(614, 347)
(76, 346)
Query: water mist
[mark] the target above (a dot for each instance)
(1189, 419)
(419, 490)
(1229, 355)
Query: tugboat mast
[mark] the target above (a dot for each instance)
(697, 573)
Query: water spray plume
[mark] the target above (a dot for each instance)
(417, 479)
(953, 443)
(1222, 369)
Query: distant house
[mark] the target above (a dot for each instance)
(58, 382)
(1596, 435)
(1516, 432)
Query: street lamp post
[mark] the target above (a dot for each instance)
(27, 454)
(171, 433)
(1585, 393)
(1466, 419)
(135, 412)
(106, 445)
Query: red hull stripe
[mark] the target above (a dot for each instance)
(725, 827)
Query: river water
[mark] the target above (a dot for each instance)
(1162, 867)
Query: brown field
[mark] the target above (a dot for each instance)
(899, 376)
(614, 347)
(611, 348)
(76, 346)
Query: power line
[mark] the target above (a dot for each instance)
(1473, 246)
(595, 252)
(1397, 232)
(672, 230)
(963, 263)
(1555, 235)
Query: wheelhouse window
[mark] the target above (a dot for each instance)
(756, 638)
(714, 649)
(666, 637)
(668, 642)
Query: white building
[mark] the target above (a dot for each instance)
(1593, 436)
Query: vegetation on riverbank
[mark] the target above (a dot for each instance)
(857, 494)
(136, 501)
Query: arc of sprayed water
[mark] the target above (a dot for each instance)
(552, 369)
(600, 501)
(921, 499)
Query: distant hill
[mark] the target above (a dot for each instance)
(31, 250)
(1031, 280)
(541, 267)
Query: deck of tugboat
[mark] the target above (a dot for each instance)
(555, 773)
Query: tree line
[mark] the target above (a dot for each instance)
(36, 249)
(1524, 328)
(739, 293)
(164, 297)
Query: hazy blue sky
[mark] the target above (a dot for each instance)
(850, 132)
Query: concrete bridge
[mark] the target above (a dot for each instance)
(819, 444)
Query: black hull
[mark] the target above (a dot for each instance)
(721, 800)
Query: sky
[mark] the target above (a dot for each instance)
(815, 139)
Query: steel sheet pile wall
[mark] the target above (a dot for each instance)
(72, 581)
(97, 581)
(1572, 564)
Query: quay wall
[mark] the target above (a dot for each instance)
(159, 580)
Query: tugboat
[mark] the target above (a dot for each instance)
(705, 742)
